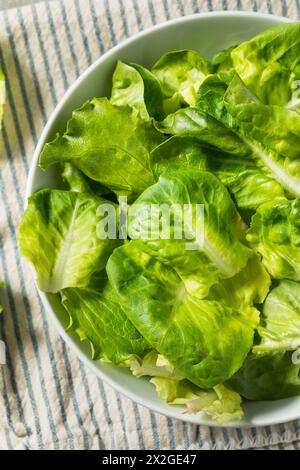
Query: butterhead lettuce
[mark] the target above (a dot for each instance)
(58, 235)
(249, 185)
(189, 332)
(218, 251)
(271, 133)
(275, 234)
(180, 74)
(119, 157)
(136, 87)
(96, 316)
(196, 286)
(280, 329)
(269, 65)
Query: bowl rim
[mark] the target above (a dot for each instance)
(171, 412)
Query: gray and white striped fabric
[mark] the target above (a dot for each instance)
(48, 399)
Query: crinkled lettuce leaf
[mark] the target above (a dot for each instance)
(180, 74)
(280, 330)
(269, 64)
(248, 287)
(249, 185)
(136, 87)
(272, 133)
(205, 340)
(58, 235)
(97, 316)
(182, 392)
(220, 403)
(217, 251)
(275, 234)
(268, 377)
(227, 407)
(153, 364)
(107, 143)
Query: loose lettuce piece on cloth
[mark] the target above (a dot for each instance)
(205, 340)
(272, 133)
(97, 316)
(180, 74)
(249, 185)
(269, 64)
(2, 100)
(2, 95)
(269, 377)
(275, 234)
(58, 235)
(2, 344)
(138, 88)
(280, 330)
(216, 233)
(108, 144)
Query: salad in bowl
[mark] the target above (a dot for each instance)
(173, 244)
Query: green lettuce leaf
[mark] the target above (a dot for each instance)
(58, 235)
(153, 364)
(182, 392)
(269, 377)
(220, 403)
(218, 251)
(2, 95)
(200, 126)
(98, 317)
(271, 133)
(269, 64)
(108, 144)
(138, 88)
(249, 185)
(227, 407)
(280, 330)
(204, 340)
(250, 286)
(275, 234)
(223, 64)
(180, 74)
(79, 182)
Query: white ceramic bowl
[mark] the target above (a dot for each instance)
(207, 34)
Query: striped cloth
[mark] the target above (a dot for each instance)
(48, 399)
